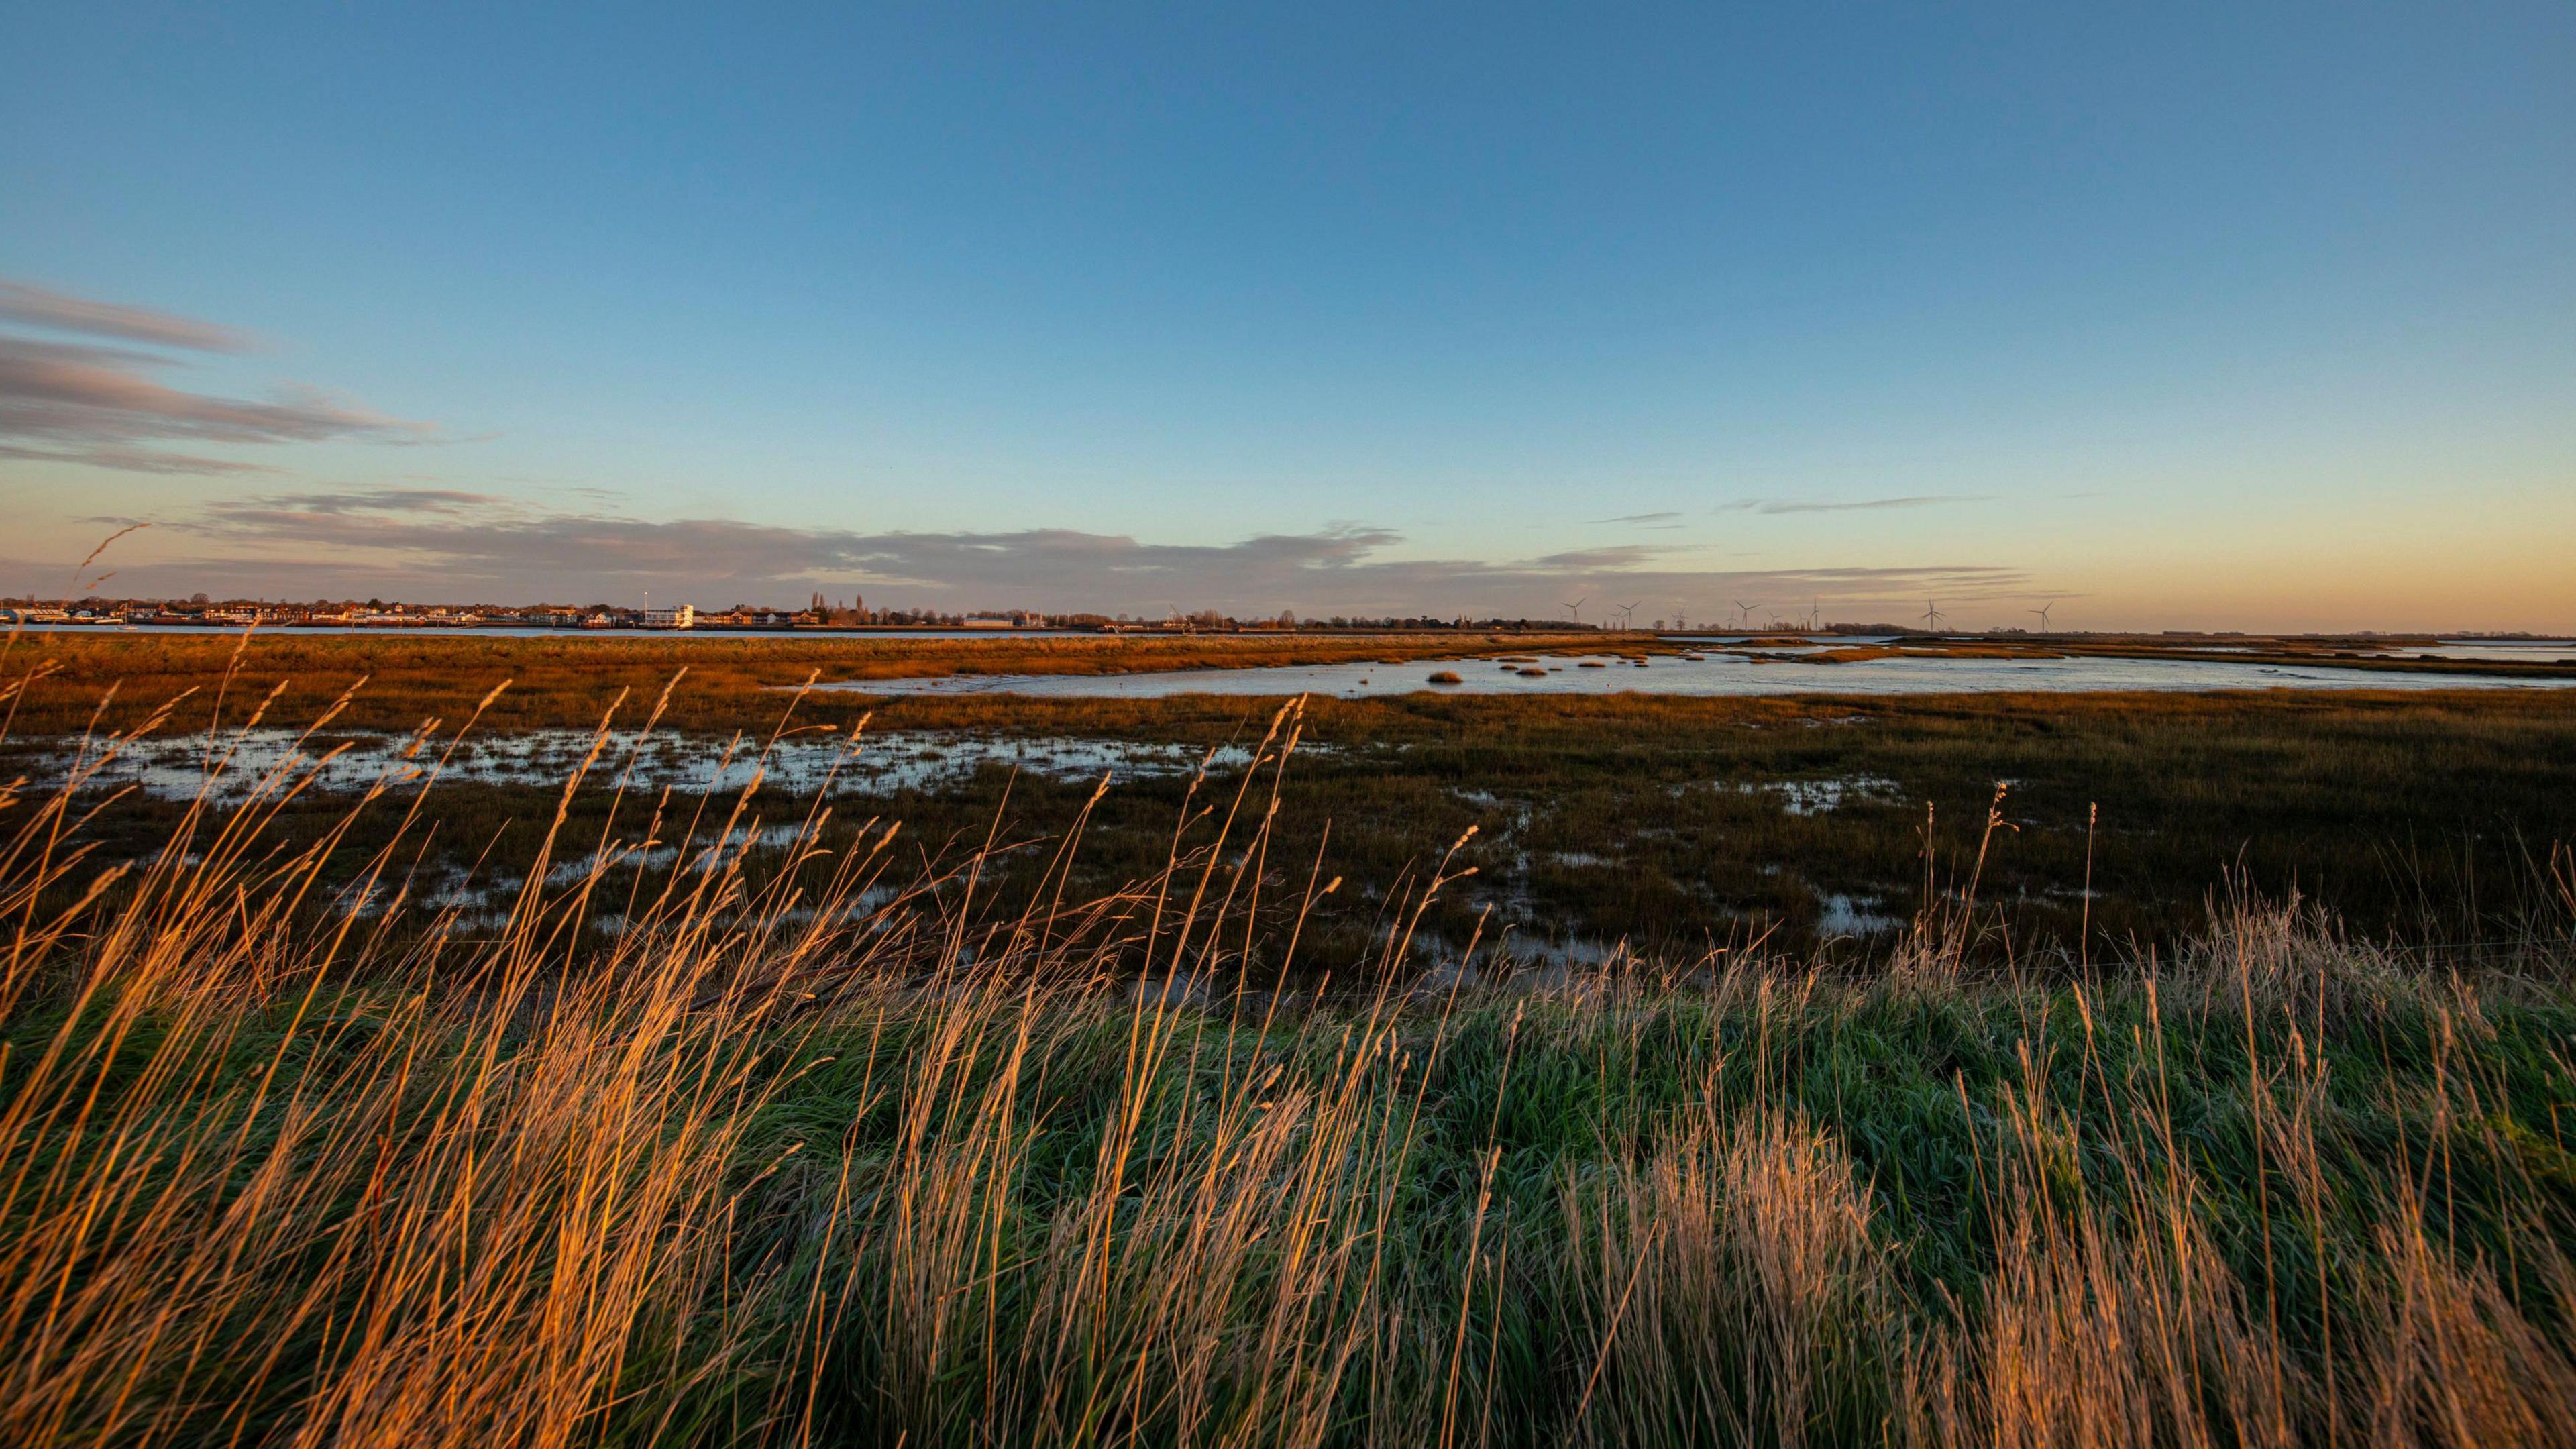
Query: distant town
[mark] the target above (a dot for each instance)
(820, 614)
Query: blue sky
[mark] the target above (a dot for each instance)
(2255, 316)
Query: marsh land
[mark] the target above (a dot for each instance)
(662, 1049)
(1674, 824)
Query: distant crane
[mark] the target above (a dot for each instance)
(1744, 613)
(1576, 608)
(1932, 615)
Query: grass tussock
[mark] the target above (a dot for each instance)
(769, 1163)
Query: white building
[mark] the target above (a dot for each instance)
(682, 617)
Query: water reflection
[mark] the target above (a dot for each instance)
(1712, 674)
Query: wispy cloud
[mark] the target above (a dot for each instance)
(1801, 505)
(1618, 558)
(135, 460)
(1667, 518)
(456, 544)
(96, 403)
(376, 501)
(59, 312)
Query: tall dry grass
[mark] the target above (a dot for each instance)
(785, 1154)
(1735, 1290)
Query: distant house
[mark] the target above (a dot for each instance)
(682, 617)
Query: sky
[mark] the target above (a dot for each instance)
(2234, 316)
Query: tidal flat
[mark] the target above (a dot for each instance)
(1670, 822)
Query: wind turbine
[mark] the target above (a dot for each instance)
(1932, 615)
(2042, 612)
(1576, 608)
(1628, 615)
(1744, 612)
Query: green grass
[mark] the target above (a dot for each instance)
(1531, 1119)
(935, 1164)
